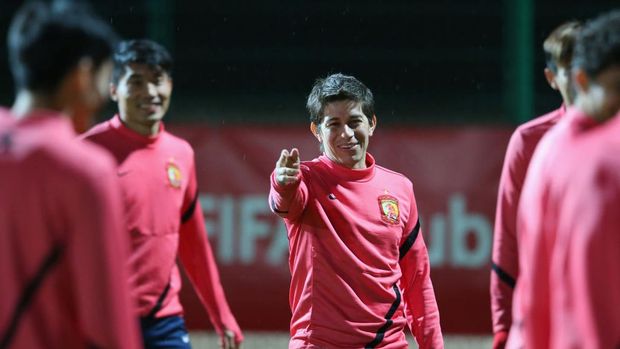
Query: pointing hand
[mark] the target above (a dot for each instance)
(287, 167)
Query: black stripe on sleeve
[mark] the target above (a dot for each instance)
(388, 320)
(190, 210)
(27, 295)
(503, 275)
(404, 248)
(274, 208)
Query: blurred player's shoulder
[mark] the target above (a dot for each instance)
(48, 142)
(98, 159)
(98, 130)
(602, 143)
(83, 159)
(5, 116)
(538, 126)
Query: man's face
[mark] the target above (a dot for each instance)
(601, 98)
(142, 94)
(344, 133)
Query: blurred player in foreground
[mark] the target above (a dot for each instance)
(558, 48)
(360, 268)
(568, 293)
(164, 218)
(62, 250)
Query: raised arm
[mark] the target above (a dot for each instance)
(288, 194)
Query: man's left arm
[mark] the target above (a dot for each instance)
(197, 258)
(418, 294)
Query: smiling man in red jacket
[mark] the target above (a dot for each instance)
(157, 174)
(359, 264)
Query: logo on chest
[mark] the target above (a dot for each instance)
(390, 211)
(174, 174)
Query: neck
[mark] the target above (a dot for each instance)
(147, 130)
(28, 101)
(591, 108)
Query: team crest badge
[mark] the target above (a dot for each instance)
(390, 212)
(174, 175)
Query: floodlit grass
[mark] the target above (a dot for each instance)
(275, 340)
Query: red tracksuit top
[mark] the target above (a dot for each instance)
(585, 300)
(537, 222)
(62, 249)
(505, 260)
(359, 265)
(164, 219)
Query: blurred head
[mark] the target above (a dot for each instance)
(61, 53)
(596, 66)
(558, 48)
(342, 118)
(142, 84)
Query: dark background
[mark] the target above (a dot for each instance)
(439, 62)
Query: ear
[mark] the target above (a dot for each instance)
(581, 80)
(78, 89)
(550, 76)
(77, 83)
(113, 95)
(373, 125)
(315, 131)
(82, 76)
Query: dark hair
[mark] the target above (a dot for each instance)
(559, 45)
(46, 41)
(338, 87)
(140, 51)
(598, 44)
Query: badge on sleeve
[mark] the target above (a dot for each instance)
(174, 175)
(390, 212)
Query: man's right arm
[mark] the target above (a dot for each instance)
(505, 250)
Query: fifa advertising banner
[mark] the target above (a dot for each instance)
(455, 174)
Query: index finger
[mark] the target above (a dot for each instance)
(283, 158)
(293, 159)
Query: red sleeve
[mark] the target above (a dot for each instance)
(418, 294)
(197, 258)
(505, 260)
(288, 201)
(98, 256)
(586, 260)
(500, 339)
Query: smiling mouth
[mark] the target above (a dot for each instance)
(348, 146)
(150, 106)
